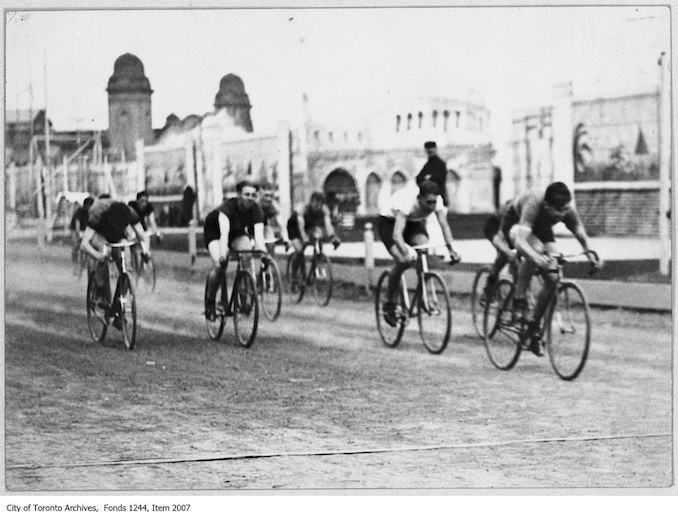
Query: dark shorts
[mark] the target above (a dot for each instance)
(293, 228)
(541, 228)
(212, 232)
(492, 227)
(385, 229)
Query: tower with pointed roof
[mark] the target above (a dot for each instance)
(129, 105)
(234, 99)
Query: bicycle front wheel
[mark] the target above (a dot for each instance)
(215, 323)
(128, 312)
(270, 290)
(568, 336)
(245, 308)
(296, 280)
(322, 280)
(501, 333)
(390, 335)
(434, 314)
(97, 311)
(478, 299)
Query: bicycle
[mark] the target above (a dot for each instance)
(100, 310)
(430, 303)
(566, 313)
(269, 284)
(319, 276)
(479, 290)
(243, 304)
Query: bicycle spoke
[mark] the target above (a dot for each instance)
(435, 317)
(501, 333)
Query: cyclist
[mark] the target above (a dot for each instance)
(311, 221)
(505, 251)
(229, 227)
(145, 211)
(402, 224)
(78, 225)
(109, 221)
(272, 218)
(528, 225)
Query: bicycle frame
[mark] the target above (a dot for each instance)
(228, 309)
(421, 267)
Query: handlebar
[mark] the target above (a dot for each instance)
(563, 258)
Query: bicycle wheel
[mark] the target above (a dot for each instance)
(477, 299)
(270, 290)
(128, 312)
(245, 308)
(390, 335)
(434, 314)
(322, 280)
(97, 311)
(215, 326)
(296, 289)
(502, 336)
(568, 334)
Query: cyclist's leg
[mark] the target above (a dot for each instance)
(549, 282)
(414, 238)
(215, 275)
(115, 253)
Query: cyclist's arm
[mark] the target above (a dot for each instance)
(398, 229)
(329, 228)
(445, 227)
(302, 227)
(520, 234)
(576, 227)
(86, 244)
(283, 228)
(153, 225)
(224, 229)
(259, 244)
(133, 231)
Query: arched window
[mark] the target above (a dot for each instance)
(345, 136)
(372, 188)
(446, 116)
(458, 117)
(435, 118)
(409, 121)
(398, 123)
(330, 135)
(421, 117)
(398, 181)
(360, 136)
(316, 136)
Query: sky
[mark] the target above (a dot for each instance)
(351, 63)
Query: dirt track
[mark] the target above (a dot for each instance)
(317, 380)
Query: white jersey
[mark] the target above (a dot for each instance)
(405, 201)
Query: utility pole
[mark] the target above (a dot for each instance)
(48, 179)
(664, 163)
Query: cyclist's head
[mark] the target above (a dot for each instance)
(142, 199)
(119, 217)
(317, 199)
(88, 202)
(557, 199)
(428, 195)
(431, 148)
(247, 192)
(267, 192)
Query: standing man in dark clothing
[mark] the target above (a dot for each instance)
(434, 170)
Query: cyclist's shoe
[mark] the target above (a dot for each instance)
(487, 291)
(390, 313)
(519, 309)
(535, 345)
(117, 322)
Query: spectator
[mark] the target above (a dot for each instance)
(434, 170)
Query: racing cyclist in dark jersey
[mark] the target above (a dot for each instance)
(273, 224)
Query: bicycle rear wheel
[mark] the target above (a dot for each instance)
(245, 308)
(322, 280)
(501, 335)
(270, 290)
(97, 311)
(477, 299)
(434, 314)
(215, 325)
(390, 335)
(569, 331)
(128, 312)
